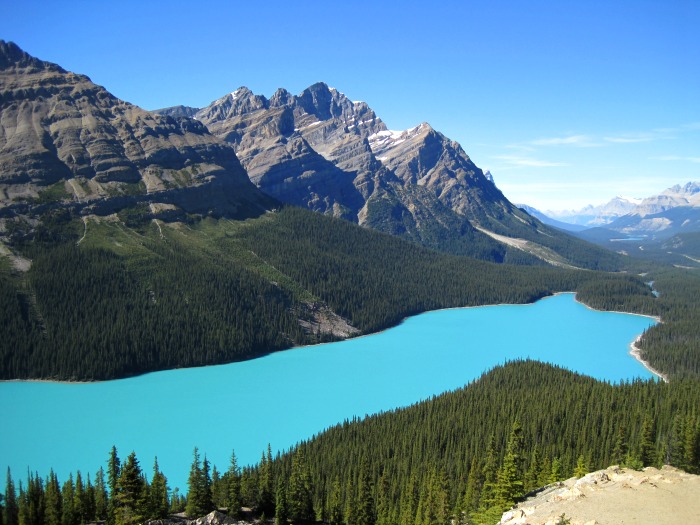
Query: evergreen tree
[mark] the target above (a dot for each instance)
(158, 504)
(131, 493)
(281, 510)
(581, 468)
(510, 476)
(266, 504)
(366, 511)
(101, 496)
(647, 445)
(113, 471)
(79, 500)
(620, 449)
(53, 513)
(409, 500)
(11, 513)
(335, 505)
(470, 500)
(68, 514)
(299, 494)
(490, 471)
(557, 472)
(197, 498)
(534, 471)
(233, 501)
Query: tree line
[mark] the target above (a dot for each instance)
(461, 457)
(128, 301)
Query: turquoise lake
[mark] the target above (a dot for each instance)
(289, 396)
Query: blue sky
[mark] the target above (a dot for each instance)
(567, 103)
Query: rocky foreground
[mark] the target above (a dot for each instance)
(614, 496)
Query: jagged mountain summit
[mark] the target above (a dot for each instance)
(322, 151)
(64, 139)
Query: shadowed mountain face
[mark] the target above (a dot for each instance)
(64, 139)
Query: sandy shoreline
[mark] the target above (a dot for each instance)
(635, 352)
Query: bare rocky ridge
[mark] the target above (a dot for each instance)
(615, 496)
(66, 140)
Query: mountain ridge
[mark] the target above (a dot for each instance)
(324, 152)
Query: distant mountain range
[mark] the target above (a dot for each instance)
(672, 212)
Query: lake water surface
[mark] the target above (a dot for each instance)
(288, 396)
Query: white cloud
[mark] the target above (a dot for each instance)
(513, 160)
(628, 140)
(676, 157)
(573, 140)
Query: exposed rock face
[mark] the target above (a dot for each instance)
(614, 496)
(60, 132)
(213, 518)
(327, 153)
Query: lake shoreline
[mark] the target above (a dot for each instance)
(634, 352)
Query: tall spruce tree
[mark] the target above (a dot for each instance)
(300, 491)
(131, 493)
(233, 501)
(11, 513)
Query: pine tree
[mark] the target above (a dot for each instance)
(647, 444)
(299, 494)
(534, 471)
(581, 468)
(101, 496)
(335, 505)
(620, 450)
(557, 472)
(281, 509)
(509, 485)
(265, 496)
(131, 493)
(68, 515)
(11, 513)
(158, 504)
(470, 500)
(52, 515)
(196, 484)
(233, 501)
(113, 471)
(409, 500)
(366, 511)
(79, 500)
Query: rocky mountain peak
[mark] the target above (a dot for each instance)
(282, 97)
(11, 55)
(236, 103)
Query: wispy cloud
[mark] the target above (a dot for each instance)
(583, 141)
(675, 158)
(513, 160)
(628, 140)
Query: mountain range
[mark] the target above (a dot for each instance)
(324, 152)
(675, 210)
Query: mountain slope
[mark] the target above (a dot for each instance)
(64, 139)
(335, 156)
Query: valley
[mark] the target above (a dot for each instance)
(140, 248)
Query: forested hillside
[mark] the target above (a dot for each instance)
(461, 457)
(108, 298)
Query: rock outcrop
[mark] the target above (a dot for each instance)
(65, 140)
(614, 496)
